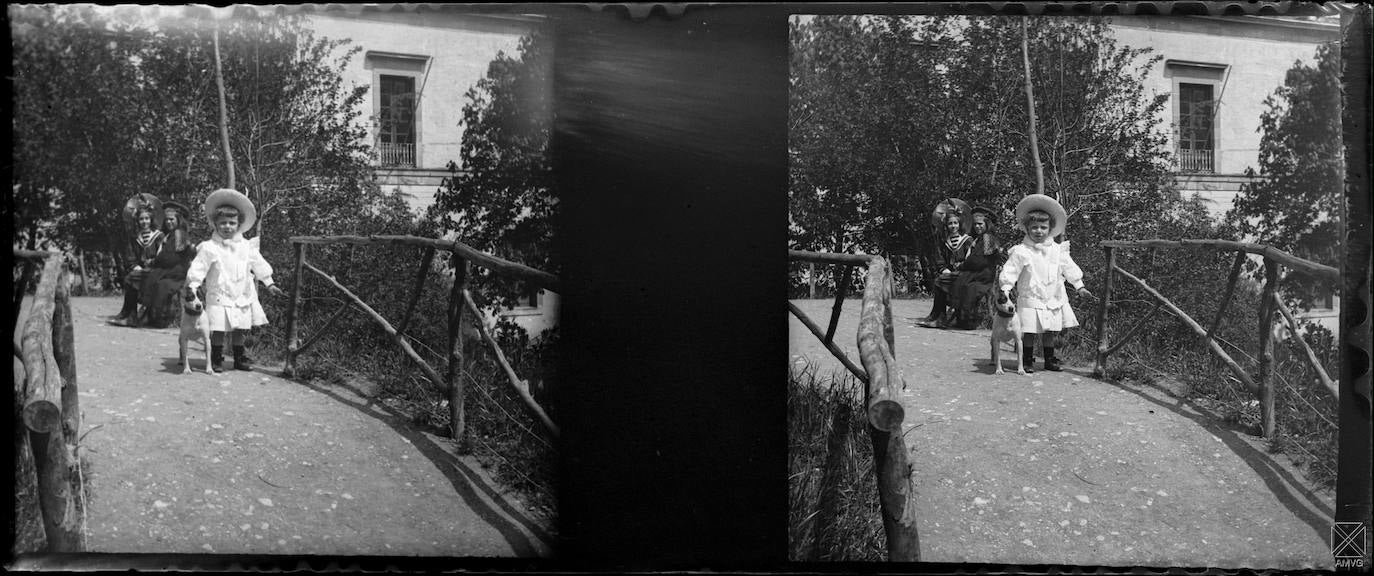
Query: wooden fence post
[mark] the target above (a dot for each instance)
(1266, 345)
(841, 286)
(64, 351)
(1100, 364)
(457, 422)
(43, 403)
(292, 311)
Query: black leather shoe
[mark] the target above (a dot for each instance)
(241, 361)
(1052, 364)
(217, 358)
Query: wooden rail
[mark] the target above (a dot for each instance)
(1261, 385)
(459, 304)
(1268, 252)
(48, 395)
(896, 492)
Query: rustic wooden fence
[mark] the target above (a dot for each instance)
(48, 395)
(1261, 385)
(882, 380)
(460, 302)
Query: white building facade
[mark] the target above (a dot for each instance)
(419, 63)
(1217, 72)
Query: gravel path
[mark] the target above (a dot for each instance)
(1060, 468)
(246, 462)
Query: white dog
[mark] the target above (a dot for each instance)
(195, 325)
(1005, 327)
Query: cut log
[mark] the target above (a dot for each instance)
(43, 388)
(884, 412)
(1188, 320)
(520, 386)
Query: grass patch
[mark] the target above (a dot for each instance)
(833, 510)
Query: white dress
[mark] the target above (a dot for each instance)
(1039, 271)
(228, 267)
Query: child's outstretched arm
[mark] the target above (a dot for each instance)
(200, 266)
(263, 271)
(1072, 273)
(1011, 270)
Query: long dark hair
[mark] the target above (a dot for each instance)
(178, 233)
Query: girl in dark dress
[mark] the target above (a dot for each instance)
(978, 271)
(145, 246)
(168, 271)
(952, 251)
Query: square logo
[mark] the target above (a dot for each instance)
(1348, 540)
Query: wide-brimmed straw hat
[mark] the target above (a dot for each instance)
(227, 197)
(986, 212)
(1045, 204)
(143, 201)
(951, 205)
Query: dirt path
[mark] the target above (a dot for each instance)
(246, 462)
(1060, 468)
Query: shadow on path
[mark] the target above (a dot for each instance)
(1291, 492)
(465, 481)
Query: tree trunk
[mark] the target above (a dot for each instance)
(1030, 112)
(223, 115)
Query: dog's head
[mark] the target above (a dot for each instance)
(1006, 303)
(193, 304)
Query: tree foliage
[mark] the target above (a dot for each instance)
(113, 101)
(501, 199)
(888, 115)
(1295, 202)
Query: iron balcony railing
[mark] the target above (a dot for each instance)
(1195, 161)
(389, 154)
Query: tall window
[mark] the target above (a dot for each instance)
(1196, 120)
(396, 120)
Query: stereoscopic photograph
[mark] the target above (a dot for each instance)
(285, 281)
(1066, 290)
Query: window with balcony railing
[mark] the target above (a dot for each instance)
(1196, 122)
(396, 121)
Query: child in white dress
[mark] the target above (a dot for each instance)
(1039, 267)
(227, 264)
